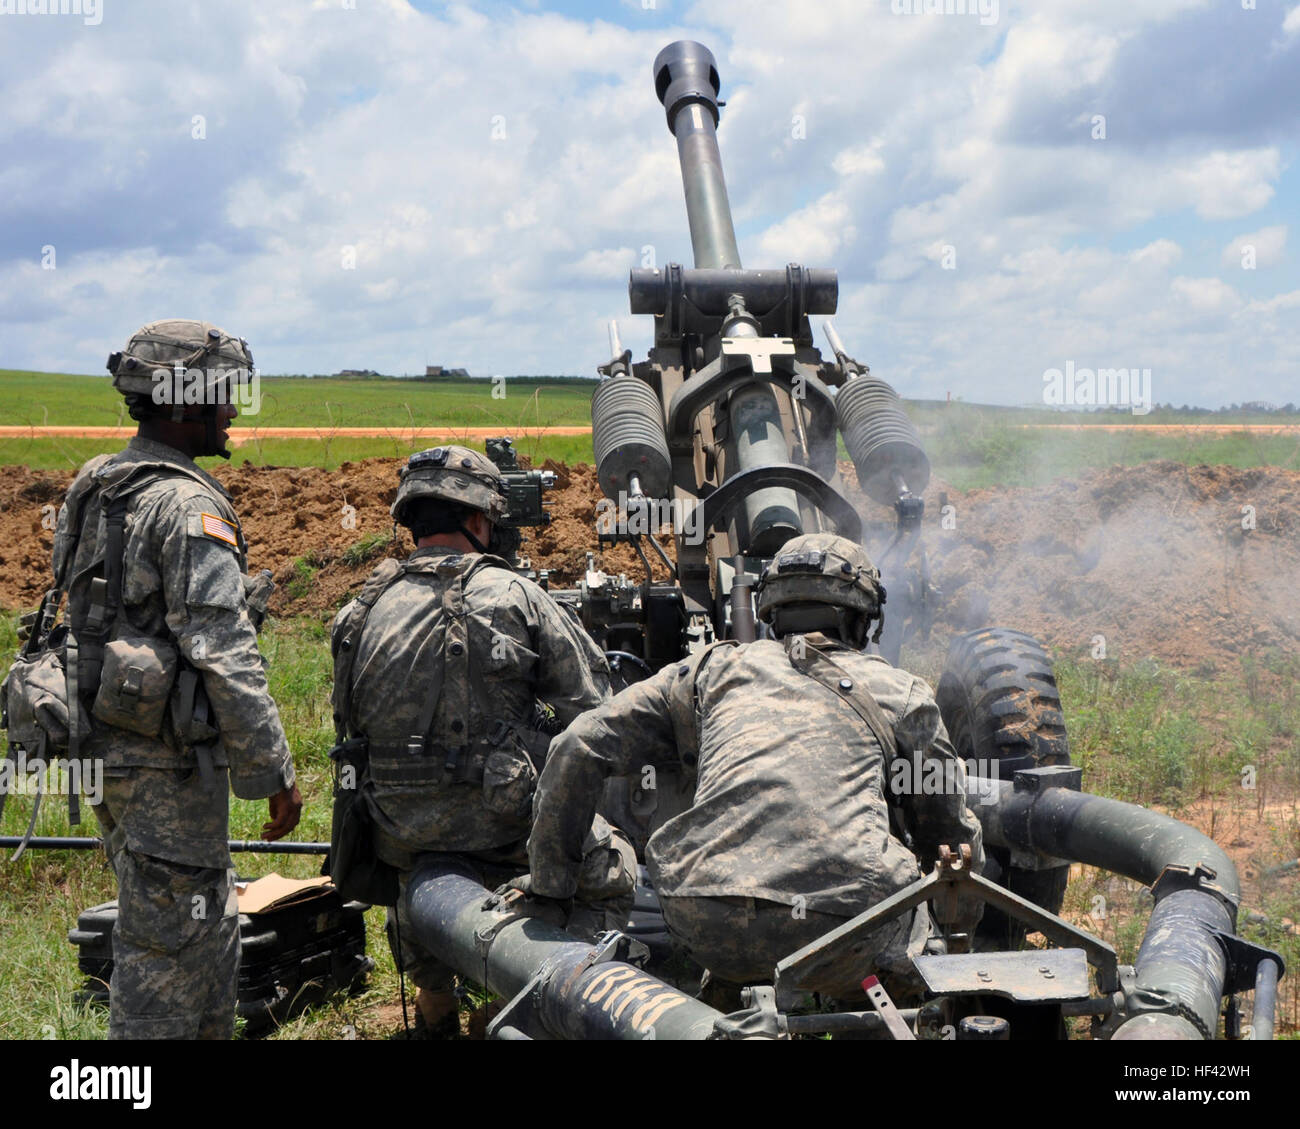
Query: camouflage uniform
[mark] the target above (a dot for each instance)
(789, 832)
(465, 631)
(164, 811)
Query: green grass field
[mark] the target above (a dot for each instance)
(969, 446)
(46, 399)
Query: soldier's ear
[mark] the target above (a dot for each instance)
(480, 526)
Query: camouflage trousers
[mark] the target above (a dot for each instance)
(603, 902)
(741, 940)
(176, 941)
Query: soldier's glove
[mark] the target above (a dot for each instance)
(523, 887)
(258, 591)
(27, 624)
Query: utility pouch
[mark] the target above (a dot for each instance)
(353, 863)
(135, 683)
(34, 696)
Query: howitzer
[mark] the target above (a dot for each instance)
(729, 429)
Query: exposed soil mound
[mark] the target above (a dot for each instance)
(319, 532)
(1192, 565)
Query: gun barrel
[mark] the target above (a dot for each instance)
(686, 80)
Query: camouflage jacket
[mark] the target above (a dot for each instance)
(183, 583)
(792, 794)
(447, 673)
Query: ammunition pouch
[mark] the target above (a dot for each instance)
(353, 863)
(135, 684)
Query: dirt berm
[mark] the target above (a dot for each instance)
(1191, 565)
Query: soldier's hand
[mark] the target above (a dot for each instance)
(524, 885)
(285, 807)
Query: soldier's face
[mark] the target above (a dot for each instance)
(195, 429)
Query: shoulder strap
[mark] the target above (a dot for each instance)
(453, 678)
(807, 659)
(347, 635)
(683, 704)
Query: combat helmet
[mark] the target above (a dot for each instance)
(822, 568)
(455, 475)
(210, 359)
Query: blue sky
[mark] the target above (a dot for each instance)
(491, 172)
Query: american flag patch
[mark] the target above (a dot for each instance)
(219, 528)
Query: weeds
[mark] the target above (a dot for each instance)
(369, 547)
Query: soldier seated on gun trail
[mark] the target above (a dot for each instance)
(790, 739)
(439, 665)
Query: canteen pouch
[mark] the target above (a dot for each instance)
(35, 700)
(353, 863)
(135, 684)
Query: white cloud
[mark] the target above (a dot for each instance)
(1205, 295)
(1227, 185)
(1266, 246)
(860, 159)
(812, 235)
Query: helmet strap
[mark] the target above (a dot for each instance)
(214, 445)
(479, 547)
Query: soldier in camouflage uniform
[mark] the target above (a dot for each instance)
(789, 833)
(163, 638)
(442, 675)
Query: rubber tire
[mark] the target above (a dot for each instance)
(999, 700)
(1000, 703)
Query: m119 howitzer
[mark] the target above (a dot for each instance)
(731, 424)
(729, 430)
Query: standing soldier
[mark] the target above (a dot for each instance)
(162, 648)
(439, 668)
(794, 824)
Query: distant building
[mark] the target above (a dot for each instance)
(358, 373)
(437, 372)
(1258, 406)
